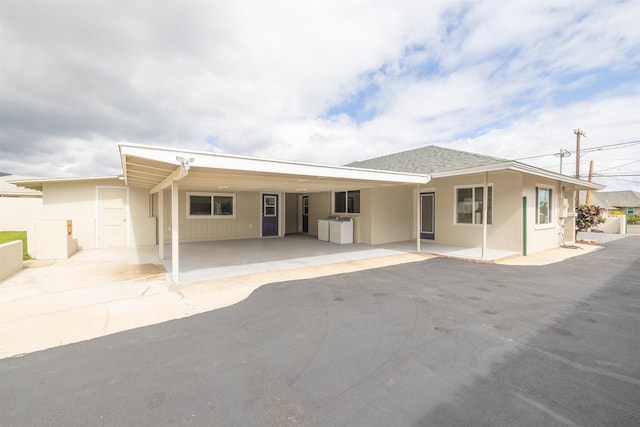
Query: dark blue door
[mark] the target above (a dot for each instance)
(269, 214)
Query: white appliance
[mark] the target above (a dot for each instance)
(341, 231)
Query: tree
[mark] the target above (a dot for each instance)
(588, 217)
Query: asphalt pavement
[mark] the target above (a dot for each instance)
(439, 342)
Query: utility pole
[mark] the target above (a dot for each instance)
(578, 133)
(588, 199)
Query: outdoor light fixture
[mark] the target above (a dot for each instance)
(186, 163)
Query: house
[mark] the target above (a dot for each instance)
(429, 194)
(18, 206)
(628, 201)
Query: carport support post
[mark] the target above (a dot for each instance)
(161, 224)
(175, 234)
(485, 202)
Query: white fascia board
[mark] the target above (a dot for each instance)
(523, 168)
(282, 167)
(39, 182)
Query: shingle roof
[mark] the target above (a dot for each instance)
(426, 160)
(619, 199)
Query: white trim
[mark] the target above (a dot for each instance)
(346, 202)
(254, 164)
(455, 204)
(522, 168)
(552, 208)
(98, 244)
(212, 196)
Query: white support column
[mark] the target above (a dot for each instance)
(161, 224)
(485, 202)
(418, 200)
(175, 233)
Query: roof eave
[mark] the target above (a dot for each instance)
(521, 167)
(37, 184)
(254, 164)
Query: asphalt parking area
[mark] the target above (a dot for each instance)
(437, 342)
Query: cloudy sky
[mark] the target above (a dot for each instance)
(326, 82)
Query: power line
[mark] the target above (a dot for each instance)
(587, 150)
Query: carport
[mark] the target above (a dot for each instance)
(202, 261)
(156, 169)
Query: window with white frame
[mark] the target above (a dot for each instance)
(211, 205)
(543, 205)
(469, 205)
(346, 201)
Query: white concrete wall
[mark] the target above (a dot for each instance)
(614, 224)
(10, 258)
(76, 200)
(50, 240)
(17, 212)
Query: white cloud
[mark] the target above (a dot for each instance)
(259, 78)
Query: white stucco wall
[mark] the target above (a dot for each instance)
(17, 212)
(76, 200)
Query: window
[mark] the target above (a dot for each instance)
(346, 201)
(543, 205)
(469, 205)
(211, 205)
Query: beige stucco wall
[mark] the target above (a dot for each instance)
(543, 237)
(319, 208)
(246, 223)
(10, 258)
(386, 214)
(291, 213)
(17, 212)
(504, 232)
(76, 200)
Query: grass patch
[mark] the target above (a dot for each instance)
(10, 236)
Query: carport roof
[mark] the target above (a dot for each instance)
(155, 168)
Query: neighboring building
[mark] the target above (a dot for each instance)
(628, 201)
(18, 206)
(447, 196)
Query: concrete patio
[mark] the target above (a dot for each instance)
(228, 258)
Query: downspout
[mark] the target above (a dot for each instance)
(524, 226)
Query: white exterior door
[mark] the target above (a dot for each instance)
(112, 218)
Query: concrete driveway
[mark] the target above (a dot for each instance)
(437, 342)
(99, 292)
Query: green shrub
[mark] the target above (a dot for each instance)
(588, 217)
(633, 219)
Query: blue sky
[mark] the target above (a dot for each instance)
(326, 82)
